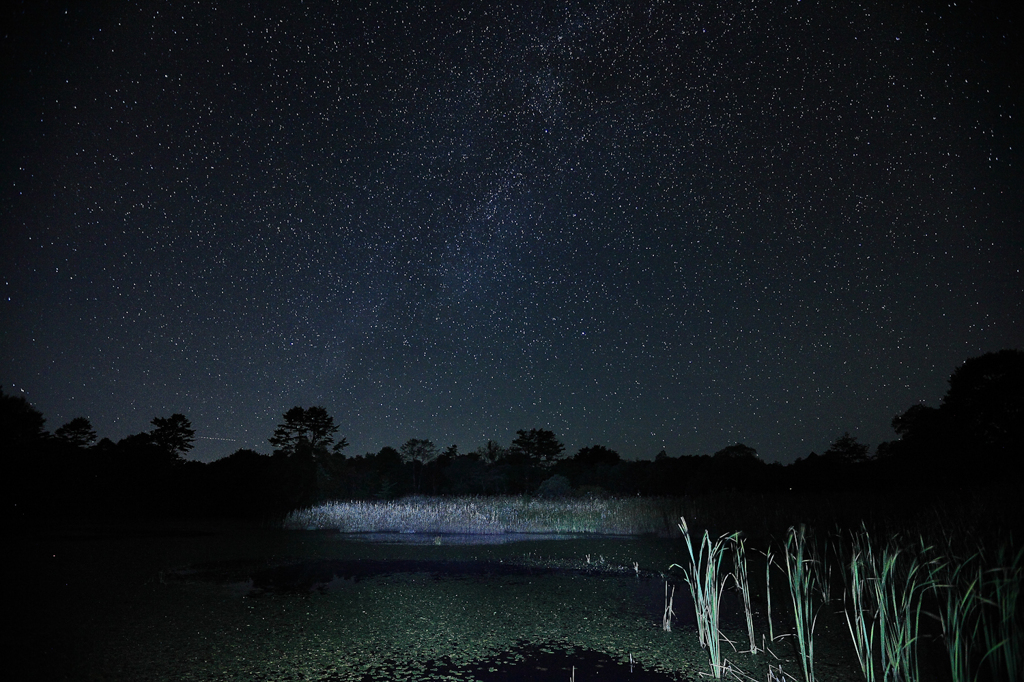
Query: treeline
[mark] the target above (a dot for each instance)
(975, 436)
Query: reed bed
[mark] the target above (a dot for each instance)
(491, 515)
(707, 583)
(887, 581)
(888, 587)
(742, 582)
(803, 575)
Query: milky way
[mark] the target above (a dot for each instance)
(677, 225)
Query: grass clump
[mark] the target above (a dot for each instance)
(702, 576)
(802, 575)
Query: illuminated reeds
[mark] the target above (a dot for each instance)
(899, 585)
(740, 577)
(888, 586)
(1002, 617)
(666, 618)
(702, 575)
(801, 572)
(487, 515)
(861, 617)
(959, 600)
(982, 615)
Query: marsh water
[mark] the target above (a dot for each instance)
(235, 602)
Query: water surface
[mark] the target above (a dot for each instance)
(240, 603)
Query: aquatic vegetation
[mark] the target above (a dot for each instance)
(512, 514)
(666, 618)
(742, 580)
(802, 576)
(887, 586)
(702, 575)
(860, 616)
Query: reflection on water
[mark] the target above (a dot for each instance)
(412, 538)
(323, 605)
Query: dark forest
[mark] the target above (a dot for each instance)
(972, 438)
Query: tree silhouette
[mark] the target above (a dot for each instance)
(389, 457)
(917, 419)
(418, 453)
(978, 427)
(538, 445)
(737, 451)
(491, 452)
(20, 423)
(311, 430)
(173, 434)
(847, 449)
(985, 402)
(596, 454)
(78, 433)
(416, 450)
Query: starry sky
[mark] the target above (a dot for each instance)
(647, 225)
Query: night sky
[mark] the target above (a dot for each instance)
(672, 225)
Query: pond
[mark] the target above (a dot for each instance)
(244, 603)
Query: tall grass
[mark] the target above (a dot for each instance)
(899, 585)
(862, 621)
(742, 580)
(666, 618)
(982, 615)
(1002, 619)
(769, 562)
(887, 586)
(959, 600)
(801, 572)
(979, 610)
(702, 575)
(490, 515)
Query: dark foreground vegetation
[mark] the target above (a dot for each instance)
(904, 565)
(973, 439)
